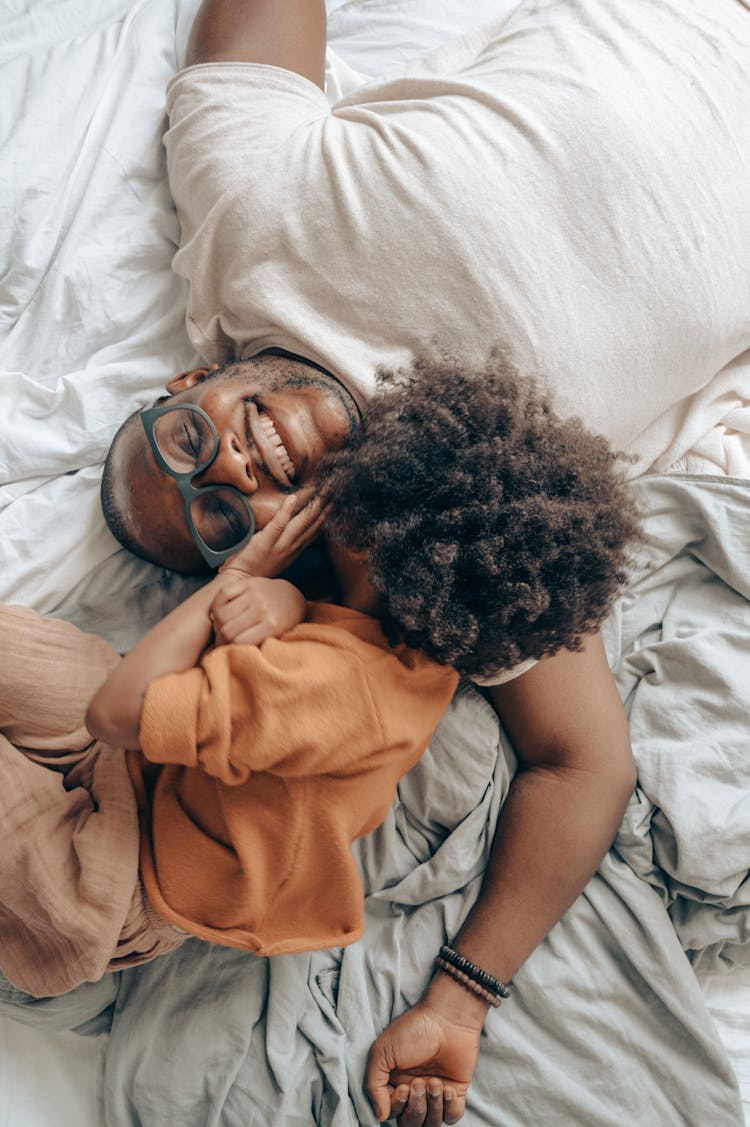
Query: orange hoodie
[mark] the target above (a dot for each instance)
(274, 759)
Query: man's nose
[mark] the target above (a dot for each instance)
(232, 465)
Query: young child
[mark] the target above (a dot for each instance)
(263, 733)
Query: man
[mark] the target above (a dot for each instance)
(506, 189)
(586, 207)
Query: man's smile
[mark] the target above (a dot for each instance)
(281, 442)
(270, 445)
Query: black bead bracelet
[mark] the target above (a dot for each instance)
(488, 981)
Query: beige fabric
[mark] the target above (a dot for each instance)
(560, 182)
(71, 904)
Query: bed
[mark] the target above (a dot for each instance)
(637, 1006)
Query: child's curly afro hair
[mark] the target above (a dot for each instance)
(494, 530)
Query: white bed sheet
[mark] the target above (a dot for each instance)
(91, 324)
(50, 1079)
(728, 999)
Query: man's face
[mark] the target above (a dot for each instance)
(275, 419)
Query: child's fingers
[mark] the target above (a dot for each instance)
(420, 1103)
(231, 586)
(253, 635)
(228, 625)
(293, 526)
(434, 1102)
(305, 525)
(265, 539)
(289, 508)
(454, 1105)
(415, 1112)
(220, 599)
(290, 520)
(399, 1100)
(280, 520)
(308, 509)
(244, 608)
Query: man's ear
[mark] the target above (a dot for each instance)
(189, 379)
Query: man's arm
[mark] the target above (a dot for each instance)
(575, 776)
(282, 33)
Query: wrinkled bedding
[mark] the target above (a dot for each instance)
(608, 1024)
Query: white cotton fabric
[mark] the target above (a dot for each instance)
(569, 181)
(505, 675)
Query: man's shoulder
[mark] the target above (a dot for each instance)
(232, 85)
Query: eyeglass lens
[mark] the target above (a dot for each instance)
(185, 440)
(187, 444)
(221, 518)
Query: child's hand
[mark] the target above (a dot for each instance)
(270, 551)
(421, 1103)
(248, 609)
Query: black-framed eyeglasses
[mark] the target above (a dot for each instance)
(185, 442)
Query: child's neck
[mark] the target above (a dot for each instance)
(352, 579)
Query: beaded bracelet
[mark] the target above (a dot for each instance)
(469, 983)
(488, 981)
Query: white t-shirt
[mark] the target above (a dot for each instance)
(570, 181)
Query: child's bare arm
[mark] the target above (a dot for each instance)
(177, 642)
(575, 776)
(173, 645)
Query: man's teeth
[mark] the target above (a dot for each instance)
(285, 461)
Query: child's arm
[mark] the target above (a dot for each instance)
(245, 604)
(575, 775)
(177, 643)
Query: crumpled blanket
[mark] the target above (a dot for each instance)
(607, 1024)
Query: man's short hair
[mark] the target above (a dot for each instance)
(111, 508)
